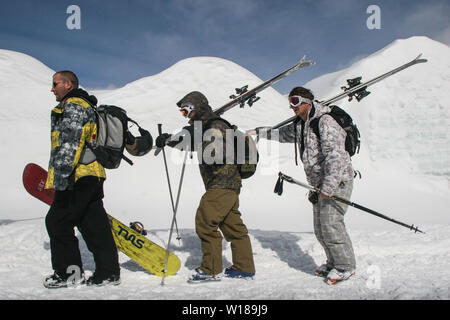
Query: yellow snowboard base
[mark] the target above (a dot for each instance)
(145, 252)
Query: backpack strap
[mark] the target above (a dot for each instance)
(302, 147)
(207, 124)
(314, 125)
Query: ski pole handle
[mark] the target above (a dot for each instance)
(158, 150)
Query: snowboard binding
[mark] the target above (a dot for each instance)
(138, 227)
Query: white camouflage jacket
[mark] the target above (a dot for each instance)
(326, 162)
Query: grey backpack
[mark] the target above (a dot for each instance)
(112, 135)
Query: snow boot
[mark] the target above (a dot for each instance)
(230, 272)
(100, 281)
(201, 276)
(323, 270)
(55, 281)
(335, 276)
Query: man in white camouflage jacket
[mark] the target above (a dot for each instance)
(328, 167)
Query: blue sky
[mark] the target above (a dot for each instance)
(122, 41)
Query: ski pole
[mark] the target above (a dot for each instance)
(174, 219)
(174, 208)
(168, 178)
(279, 189)
(179, 191)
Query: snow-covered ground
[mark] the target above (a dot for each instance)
(404, 161)
(392, 264)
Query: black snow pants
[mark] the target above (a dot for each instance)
(83, 208)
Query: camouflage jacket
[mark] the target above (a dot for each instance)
(326, 162)
(209, 139)
(216, 171)
(73, 123)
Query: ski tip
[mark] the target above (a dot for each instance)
(419, 60)
(304, 62)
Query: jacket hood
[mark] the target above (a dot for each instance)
(80, 93)
(201, 105)
(317, 109)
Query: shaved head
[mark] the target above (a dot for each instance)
(67, 75)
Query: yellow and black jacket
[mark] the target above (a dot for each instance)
(73, 124)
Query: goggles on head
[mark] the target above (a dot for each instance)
(296, 101)
(186, 109)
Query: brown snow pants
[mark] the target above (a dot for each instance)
(218, 209)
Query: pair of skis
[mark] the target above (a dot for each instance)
(356, 89)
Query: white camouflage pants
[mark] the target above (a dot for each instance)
(330, 231)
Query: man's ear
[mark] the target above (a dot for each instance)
(68, 85)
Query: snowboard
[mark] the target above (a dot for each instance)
(142, 250)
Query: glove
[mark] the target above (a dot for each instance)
(313, 197)
(162, 139)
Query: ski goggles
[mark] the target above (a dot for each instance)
(186, 109)
(296, 101)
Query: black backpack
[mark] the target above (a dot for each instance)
(246, 161)
(112, 135)
(352, 141)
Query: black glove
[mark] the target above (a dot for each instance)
(162, 139)
(313, 197)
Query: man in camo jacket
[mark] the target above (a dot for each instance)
(328, 167)
(219, 206)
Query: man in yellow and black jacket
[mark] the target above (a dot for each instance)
(79, 191)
